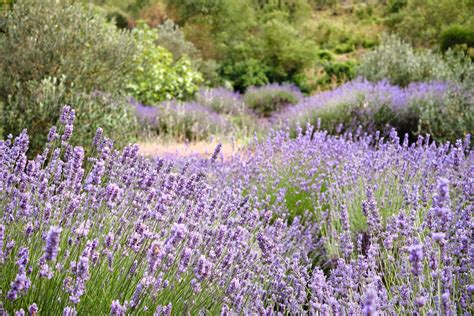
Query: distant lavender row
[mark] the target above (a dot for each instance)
(415, 108)
(181, 120)
(444, 110)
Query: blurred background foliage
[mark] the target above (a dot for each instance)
(54, 51)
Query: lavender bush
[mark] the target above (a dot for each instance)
(221, 100)
(271, 98)
(181, 121)
(317, 224)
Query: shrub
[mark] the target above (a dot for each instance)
(456, 35)
(270, 98)
(448, 117)
(156, 76)
(171, 37)
(55, 38)
(421, 22)
(118, 17)
(53, 53)
(221, 100)
(93, 110)
(181, 120)
(397, 61)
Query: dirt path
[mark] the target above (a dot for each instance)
(166, 149)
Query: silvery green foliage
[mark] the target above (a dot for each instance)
(399, 63)
(62, 38)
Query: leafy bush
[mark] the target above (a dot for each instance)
(398, 62)
(171, 37)
(456, 35)
(118, 17)
(156, 77)
(97, 109)
(56, 38)
(244, 74)
(421, 22)
(270, 98)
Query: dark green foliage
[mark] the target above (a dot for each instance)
(456, 35)
(118, 17)
(421, 21)
(246, 73)
(396, 5)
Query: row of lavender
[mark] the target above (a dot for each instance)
(444, 110)
(347, 224)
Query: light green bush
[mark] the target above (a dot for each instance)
(61, 38)
(156, 77)
(398, 62)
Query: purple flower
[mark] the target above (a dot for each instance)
(116, 309)
(416, 257)
(52, 243)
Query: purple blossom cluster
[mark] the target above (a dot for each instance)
(317, 224)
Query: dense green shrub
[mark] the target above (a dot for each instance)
(398, 62)
(456, 35)
(96, 109)
(171, 37)
(118, 17)
(56, 38)
(156, 77)
(245, 73)
(421, 21)
(270, 98)
(446, 118)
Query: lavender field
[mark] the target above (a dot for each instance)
(316, 224)
(236, 157)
